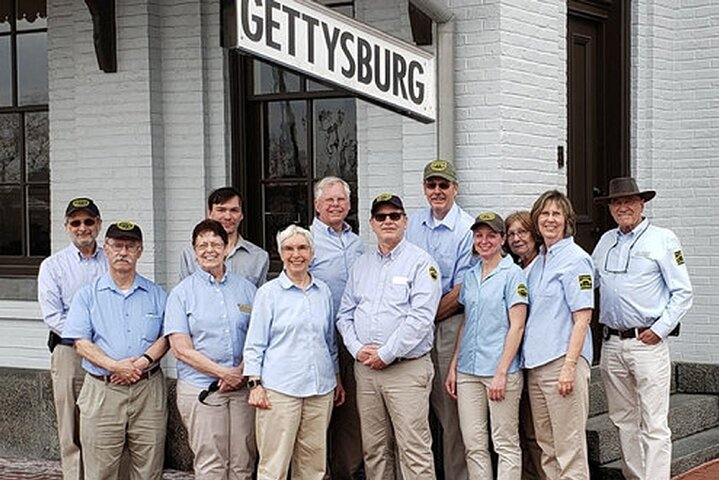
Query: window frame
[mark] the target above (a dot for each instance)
(23, 265)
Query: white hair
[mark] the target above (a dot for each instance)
(326, 182)
(293, 230)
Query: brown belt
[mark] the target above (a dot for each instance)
(624, 334)
(145, 375)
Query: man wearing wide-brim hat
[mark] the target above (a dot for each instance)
(645, 291)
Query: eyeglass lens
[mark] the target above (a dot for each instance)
(89, 222)
(431, 185)
(381, 217)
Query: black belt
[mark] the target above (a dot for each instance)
(145, 375)
(624, 334)
(407, 359)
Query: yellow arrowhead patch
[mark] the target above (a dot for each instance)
(679, 257)
(585, 282)
(522, 290)
(433, 273)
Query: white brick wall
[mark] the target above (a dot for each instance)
(675, 140)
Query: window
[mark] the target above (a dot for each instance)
(24, 143)
(292, 132)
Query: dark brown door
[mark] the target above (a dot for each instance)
(597, 112)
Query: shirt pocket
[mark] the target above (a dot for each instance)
(152, 326)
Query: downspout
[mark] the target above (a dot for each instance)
(443, 16)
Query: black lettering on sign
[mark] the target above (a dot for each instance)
(292, 15)
(416, 89)
(331, 43)
(270, 24)
(345, 40)
(381, 75)
(399, 71)
(312, 23)
(364, 57)
(256, 34)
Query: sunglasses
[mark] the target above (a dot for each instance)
(431, 185)
(381, 217)
(88, 222)
(213, 387)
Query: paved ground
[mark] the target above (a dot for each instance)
(708, 471)
(23, 469)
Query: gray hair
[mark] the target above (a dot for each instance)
(326, 182)
(292, 230)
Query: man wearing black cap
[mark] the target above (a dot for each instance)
(116, 324)
(645, 291)
(386, 319)
(60, 276)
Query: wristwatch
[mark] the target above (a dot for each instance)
(251, 384)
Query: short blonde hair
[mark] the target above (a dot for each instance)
(291, 231)
(570, 218)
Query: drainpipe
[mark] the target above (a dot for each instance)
(443, 16)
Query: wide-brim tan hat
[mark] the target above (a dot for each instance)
(625, 187)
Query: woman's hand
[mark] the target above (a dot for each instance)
(565, 385)
(450, 384)
(258, 398)
(498, 387)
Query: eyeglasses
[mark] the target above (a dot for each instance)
(431, 185)
(210, 246)
(117, 247)
(381, 217)
(518, 233)
(212, 388)
(88, 222)
(629, 254)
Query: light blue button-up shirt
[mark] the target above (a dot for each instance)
(246, 259)
(449, 241)
(291, 341)
(486, 316)
(60, 277)
(335, 253)
(391, 300)
(560, 282)
(215, 315)
(121, 325)
(642, 278)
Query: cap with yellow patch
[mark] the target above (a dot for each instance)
(82, 204)
(124, 229)
(492, 220)
(386, 199)
(442, 169)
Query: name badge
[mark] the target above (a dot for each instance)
(399, 280)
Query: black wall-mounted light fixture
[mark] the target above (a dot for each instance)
(103, 34)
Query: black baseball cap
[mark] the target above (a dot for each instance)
(124, 229)
(386, 199)
(82, 204)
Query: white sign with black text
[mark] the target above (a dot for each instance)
(315, 40)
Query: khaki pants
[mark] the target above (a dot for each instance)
(445, 408)
(474, 404)
(637, 380)
(293, 430)
(115, 416)
(345, 435)
(560, 422)
(67, 376)
(531, 453)
(394, 406)
(221, 433)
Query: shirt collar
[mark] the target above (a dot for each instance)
(449, 221)
(638, 230)
(107, 283)
(208, 278)
(394, 252)
(286, 283)
(504, 264)
(323, 227)
(241, 244)
(82, 257)
(557, 247)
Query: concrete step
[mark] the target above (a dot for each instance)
(687, 453)
(688, 414)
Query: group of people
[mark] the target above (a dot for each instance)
(332, 367)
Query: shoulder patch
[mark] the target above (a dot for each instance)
(522, 290)
(244, 308)
(585, 282)
(679, 257)
(433, 273)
